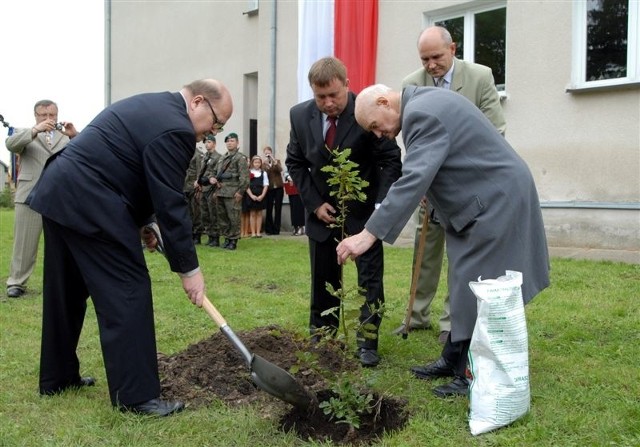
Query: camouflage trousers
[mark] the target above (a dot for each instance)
(209, 211)
(229, 209)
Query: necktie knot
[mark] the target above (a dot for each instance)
(440, 82)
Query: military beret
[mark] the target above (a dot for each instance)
(231, 135)
(211, 137)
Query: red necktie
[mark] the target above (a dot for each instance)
(331, 132)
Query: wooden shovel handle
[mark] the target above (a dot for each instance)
(213, 312)
(416, 269)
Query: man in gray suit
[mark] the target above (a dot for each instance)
(483, 194)
(475, 82)
(34, 146)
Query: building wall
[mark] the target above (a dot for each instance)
(583, 148)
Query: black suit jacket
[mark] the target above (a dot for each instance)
(378, 159)
(126, 165)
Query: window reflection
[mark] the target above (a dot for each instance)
(607, 39)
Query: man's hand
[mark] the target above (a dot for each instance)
(325, 213)
(194, 287)
(69, 129)
(354, 246)
(149, 239)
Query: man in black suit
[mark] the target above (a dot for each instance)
(95, 196)
(379, 164)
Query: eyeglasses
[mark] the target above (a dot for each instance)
(217, 124)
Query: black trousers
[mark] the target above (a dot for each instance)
(325, 269)
(273, 216)
(456, 354)
(116, 278)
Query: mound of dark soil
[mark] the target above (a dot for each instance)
(213, 369)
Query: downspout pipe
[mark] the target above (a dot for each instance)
(107, 52)
(272, 89)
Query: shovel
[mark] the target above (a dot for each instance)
(265, 375)
(416, 273)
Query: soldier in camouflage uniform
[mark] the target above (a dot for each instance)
(209, 197)
(232, 179)
(192, 192)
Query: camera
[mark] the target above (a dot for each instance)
(59, 127)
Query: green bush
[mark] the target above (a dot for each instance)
(6, 198)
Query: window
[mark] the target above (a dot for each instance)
(479, 31)
(252, 7)
(606, 43)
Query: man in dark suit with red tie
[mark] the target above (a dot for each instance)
(330, 116)
(95, 196)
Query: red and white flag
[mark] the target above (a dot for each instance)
(346, 29)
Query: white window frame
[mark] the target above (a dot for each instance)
(252, 7)
(579, 50)
(468, 12)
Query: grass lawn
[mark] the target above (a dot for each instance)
(584, 345)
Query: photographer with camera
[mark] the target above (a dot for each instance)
(275, 194)
(34, 146)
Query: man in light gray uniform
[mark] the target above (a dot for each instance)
(483, 194)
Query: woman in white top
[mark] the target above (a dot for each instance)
(256, 192)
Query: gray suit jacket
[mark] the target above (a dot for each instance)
(474, 82)
(482, 191)
(33, 155)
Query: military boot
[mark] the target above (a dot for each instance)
(214, 241)
(232, 244)
(197, 238)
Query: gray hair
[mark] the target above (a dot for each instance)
(44, 103)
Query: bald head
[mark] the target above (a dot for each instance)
(209, 106)
(437, 50)
(434, 34)
(378, 110)
(217, 93)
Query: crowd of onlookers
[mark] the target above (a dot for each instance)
(232, 196)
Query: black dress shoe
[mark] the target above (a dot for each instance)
(155, 407)
(84, 381)
(459, 387)
(15, 292)
(439, 368)
(369, 358)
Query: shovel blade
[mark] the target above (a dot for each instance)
(279, 383)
